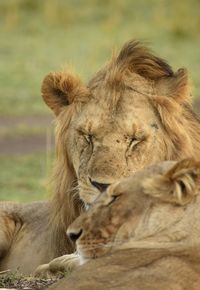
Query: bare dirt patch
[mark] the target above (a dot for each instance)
(22, 145)
(10, 122)
(27, 142)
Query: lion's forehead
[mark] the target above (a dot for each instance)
(131, 113)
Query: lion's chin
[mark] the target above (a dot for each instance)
(87, 254)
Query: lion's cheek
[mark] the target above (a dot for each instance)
(94, 246)
(146, 154)
(79, 155)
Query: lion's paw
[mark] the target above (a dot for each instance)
(58, 266)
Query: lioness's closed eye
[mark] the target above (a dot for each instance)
(150, 209)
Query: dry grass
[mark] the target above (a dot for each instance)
(17, 281)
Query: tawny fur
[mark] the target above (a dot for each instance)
(134, 112)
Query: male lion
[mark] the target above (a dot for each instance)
(134, 112)
(149, 223)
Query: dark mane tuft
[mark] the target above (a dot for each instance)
(135, 57)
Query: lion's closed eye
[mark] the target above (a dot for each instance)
(113, 199)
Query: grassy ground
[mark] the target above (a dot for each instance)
(42, 36)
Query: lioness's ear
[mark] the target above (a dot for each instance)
(60, 89)
(176, 87)
(179, 185)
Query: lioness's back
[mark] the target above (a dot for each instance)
(118, 271)
(23, 232)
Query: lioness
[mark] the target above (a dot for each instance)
(149, 224)
(134, 112)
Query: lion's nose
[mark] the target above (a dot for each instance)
(74, 234)
(100, 186)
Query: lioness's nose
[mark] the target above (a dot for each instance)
(74, 234)
(100, 186)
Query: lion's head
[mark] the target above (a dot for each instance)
(157, 207)
(134, 112)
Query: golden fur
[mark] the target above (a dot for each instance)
(134, 112)
(122, 272)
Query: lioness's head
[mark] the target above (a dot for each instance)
(130, 115)
(155, 208)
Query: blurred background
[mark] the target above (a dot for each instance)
(39, 36)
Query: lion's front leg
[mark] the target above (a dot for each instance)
(58, 266)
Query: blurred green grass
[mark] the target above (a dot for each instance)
(23, 178)
(41, 36)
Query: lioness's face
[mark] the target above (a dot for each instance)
(107, 143)
(113, 217)
(148, 207)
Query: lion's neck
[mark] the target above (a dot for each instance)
(193, 131)
(196, 143)
(184, 136)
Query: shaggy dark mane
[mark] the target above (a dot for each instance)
(136, 57)
(133, 57)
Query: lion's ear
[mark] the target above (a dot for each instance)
(176, 87)
(179, 185)
(60, 89)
